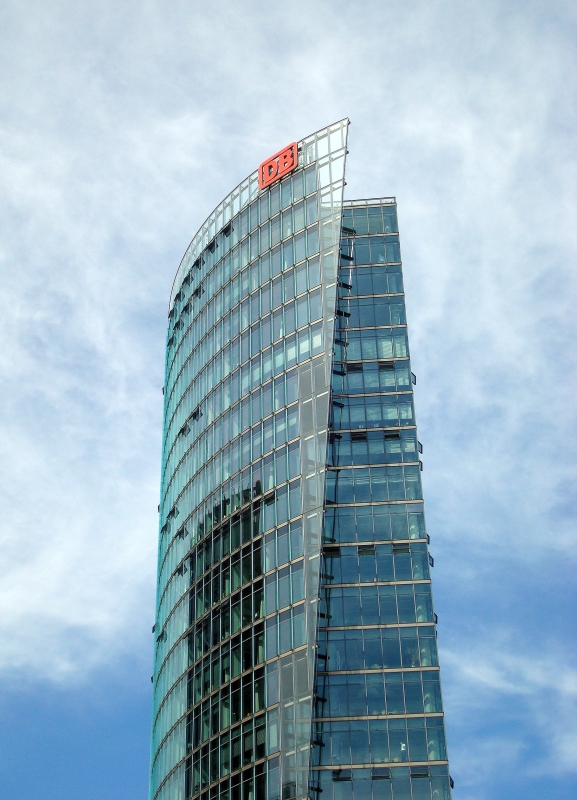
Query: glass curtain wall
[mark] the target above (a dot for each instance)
(378, 729)
(246, 410)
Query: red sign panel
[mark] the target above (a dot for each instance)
(277, 166)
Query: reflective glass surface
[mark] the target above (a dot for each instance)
(378, 730)
(247, 394)
(295, 631)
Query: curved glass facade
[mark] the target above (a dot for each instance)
(295, 634)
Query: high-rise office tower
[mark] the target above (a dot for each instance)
(295, 635)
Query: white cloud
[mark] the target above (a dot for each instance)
(517, 705)
(121, 127)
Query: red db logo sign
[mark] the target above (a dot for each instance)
(277, 166)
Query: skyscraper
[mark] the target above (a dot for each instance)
(295, 634)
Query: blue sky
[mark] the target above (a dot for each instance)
(121, 126)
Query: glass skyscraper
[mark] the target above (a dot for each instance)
(295, 650)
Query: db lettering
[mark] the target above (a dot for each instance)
(277, 166)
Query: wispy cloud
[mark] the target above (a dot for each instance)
(121, 127)
(517, 706)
